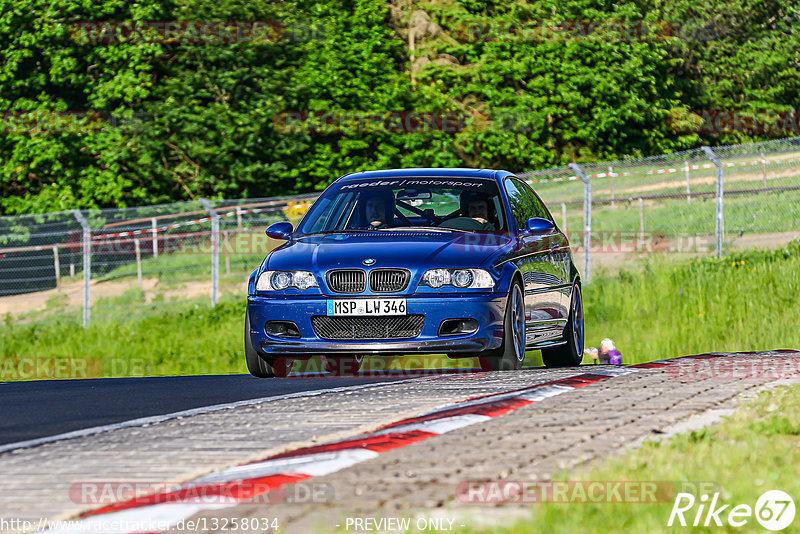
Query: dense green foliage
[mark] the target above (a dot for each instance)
(180, 120)
(746, 301)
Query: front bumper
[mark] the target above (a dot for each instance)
(486, 308)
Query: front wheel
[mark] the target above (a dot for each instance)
(511, 353)
(257, 365)
(571, 353)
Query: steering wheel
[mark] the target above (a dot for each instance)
(463, 223)
(403, 217)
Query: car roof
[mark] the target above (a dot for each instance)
(428, 172)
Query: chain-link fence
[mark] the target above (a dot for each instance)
(115, 263)
(706, 200)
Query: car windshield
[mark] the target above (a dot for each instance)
(433, 204)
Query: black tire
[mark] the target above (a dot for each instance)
(511, 353)
(570, 354)
(259, 366)
(343, 365)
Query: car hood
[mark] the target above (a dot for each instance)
(411, 250)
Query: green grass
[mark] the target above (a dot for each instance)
(743, 301)
(753, 451)
(175, 338)
(658, 309)
(244, 252)
(763, 213)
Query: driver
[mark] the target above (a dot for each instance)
(478, 207)
(377, 209)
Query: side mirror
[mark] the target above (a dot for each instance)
(538, 225)
(280, 230)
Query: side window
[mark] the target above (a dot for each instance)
(539, 207)
(521, 205)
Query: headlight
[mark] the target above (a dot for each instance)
(280, 280)
(461, 278)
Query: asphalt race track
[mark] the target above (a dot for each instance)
(44, 408)
(380, 445)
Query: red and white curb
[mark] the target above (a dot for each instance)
(238, 484)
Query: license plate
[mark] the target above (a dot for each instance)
(367, 307)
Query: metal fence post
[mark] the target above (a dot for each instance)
(214, 250)
(688, 187)
(154, 224)
(641, 222)
(719, 226)
(587, 219)
(86, 241)
(138, 250)
(57, 266)
(611, 181)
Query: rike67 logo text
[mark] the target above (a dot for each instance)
(774, 510)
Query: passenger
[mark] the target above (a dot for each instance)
(609, 353)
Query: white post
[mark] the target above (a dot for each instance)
(688, 189)
(641, 222)
(214, 250)
(87, 265)
(238, 218)
(138, 262)
(611, 179)
(154, 231)
(57, 266)
(764, 168)
(587, 219)
(564, 216)
(72, 270)
(719, 229)
(227, 252)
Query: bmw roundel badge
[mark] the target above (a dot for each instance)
(368, 261)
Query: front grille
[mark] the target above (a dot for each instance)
(347, 281)
(388, 280)
(387, 327)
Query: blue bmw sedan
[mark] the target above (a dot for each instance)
(465, 262)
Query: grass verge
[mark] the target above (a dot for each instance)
(753, 451)
(745, 301)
